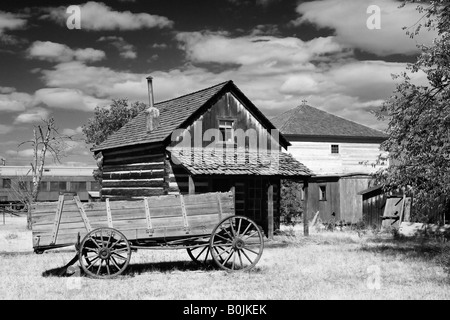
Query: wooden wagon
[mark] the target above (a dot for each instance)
(106, 233)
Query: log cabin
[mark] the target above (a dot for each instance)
(211, 140)
(341, 153)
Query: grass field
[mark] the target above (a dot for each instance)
(326, 265)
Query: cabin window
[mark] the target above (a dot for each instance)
(226, 130)
(302, 193)
(334, 148)
(7, 183)
(322, 193)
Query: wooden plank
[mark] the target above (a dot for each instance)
(108, 214)
(57, 218)
(147, 216)
(183, 211)
(82, 213)
(219, 206)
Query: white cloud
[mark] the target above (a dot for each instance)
(8, 22)
(32, 115)
(98, 16)
(266, 51)
(63, 98)
(126, 50)
(348, 18)
(11, 101)
(57, 52)
(72, 132)
(25, 153)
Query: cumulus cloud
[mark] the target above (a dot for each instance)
(98, 16)
(57, 52)
(12, 101)
(126, 50)
(64, 98)
(8, 22)
(267, 51)
(32, 115)
(348, 18)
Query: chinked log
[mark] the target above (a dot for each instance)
(133, 192)
(134, 167)
(133, 158)
(159, 182)
(133, 175)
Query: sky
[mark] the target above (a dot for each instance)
(338, 55)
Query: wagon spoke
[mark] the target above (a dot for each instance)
(107, 266)
(227, 240)
(246, 248)
(246, 229)
(248, 237)
(228, 258)
(99, 267)
(239, 227)
(243, 252)
(207, 254)
(115, 263)
(119, 250)
(118, 255)
(240, 258)
(203, 250)
(215, 249)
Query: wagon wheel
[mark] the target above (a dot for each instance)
(104, 253)
(236, 243)
(199, 254)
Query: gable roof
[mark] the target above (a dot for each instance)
(305, 120)
(175, 113)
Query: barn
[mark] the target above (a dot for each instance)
(341, 153)
(211, 140)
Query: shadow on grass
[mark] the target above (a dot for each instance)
(422, 249)
(141, 268)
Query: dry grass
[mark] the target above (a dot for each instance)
(327, 265)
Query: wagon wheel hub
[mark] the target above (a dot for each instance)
(104, 253)
(238, 244)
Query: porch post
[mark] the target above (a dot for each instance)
(305, 208)
(270, 210)
(191, 185)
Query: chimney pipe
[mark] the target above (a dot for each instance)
(150, 91)
(152, 121)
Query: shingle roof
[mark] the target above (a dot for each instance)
(172, 114)
(309, 121)
(205, 161)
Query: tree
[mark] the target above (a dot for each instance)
(291, 203)
(107, 120)
(419, 119)
(46, 140)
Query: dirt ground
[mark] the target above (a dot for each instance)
(14, 236)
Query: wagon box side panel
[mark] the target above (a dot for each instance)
(156, 218)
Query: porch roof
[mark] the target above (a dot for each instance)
(212, 161)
